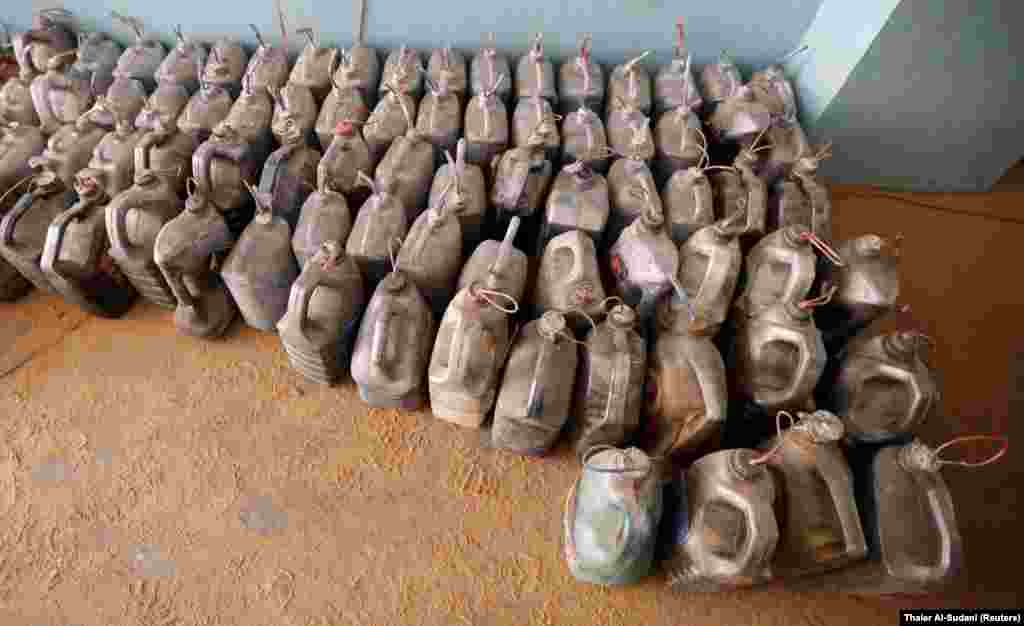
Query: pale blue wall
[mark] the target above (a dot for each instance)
(755, 32)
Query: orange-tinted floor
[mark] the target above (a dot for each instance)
(147, 478)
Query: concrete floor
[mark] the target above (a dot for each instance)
(151, 479)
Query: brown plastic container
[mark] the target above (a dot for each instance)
(819, 525)
(407, 170)
(687, 389)
(789, 144)
(779, 269)
(486, 125)
(568, 280)
(403, 73)
(469, 352)
(23, 228)
(323, 313)
(260, 270)
(186, 249)
(535, 75)
(126, 98)
(521, 176)
(206, 108)
(884, 389)
(142, 59)
(392, 351)
(679, 142)
(269, 65)
(631, 192)
(179, 66)
(359, 68)
(342, 104)
(392, 118)
(528, 114)
(439, 120)
(584, 139)
(689, 204)
(497, 264)
(225, 66)
(76, 258)
(60, 96)
(867, 287)
(732, 530)
(346, 156)
(609, 393)
(467, 197)
(295, 112)
(314, 68)
(448, 67)
(629, 132)
(485, 68)
(380, 225)
(739, 118)
(97, 57)
(630, 85)
(19, 147)
(431, 255)
(674, 85)
(289, 174)
(70, 149)
(644, 263)
(581, 81)
(536, 391)
(16, 101)
(578, 201)
(49, 36)
(709, 269)
(325, 216)
(778, 356)
(164, 148)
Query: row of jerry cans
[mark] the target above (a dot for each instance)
(797, 510)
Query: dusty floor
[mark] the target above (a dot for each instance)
(151, 479)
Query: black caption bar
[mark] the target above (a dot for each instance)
(909, 617)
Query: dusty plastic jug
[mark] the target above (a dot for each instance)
(314, 68)
(536, 391)
(907, 510)
(19, 144)
(499, 264)
(179, 66)
(679, 142)
(469, 352)
(392, 350)
(76, 258)
(467, 198)
(448, 67)
(97, 58)
(611, 517)
(629, 132)
(163, 147)
(69, 149)
(439, 120)
(225, 66)
(126, 96)
(644, 263)
(674, 85)
(578, 201)
(629, 86)
(407, 170)
(186, 250)
(609, 382)
(521, 176)
(60, 96)
(687, 389)
(269, 65)
(720, 80)
(431, 255)
(261, 268)
(584, 139)
(23, 228)
(777, 356)
(779, 269)
(819, 525)
(113, 158)
(884, 388)
(731, 534)
(207, 107)
(486, 125)
(535, 75)
(392, 118)
(581, 81)
(801, 198)
(380, 222)
(788, 144)
(342, 104)
(324, 307)
(403, 73)
(142, 60)
(739, 118)
(569, 280)
(289, 174)
(867, 287)
(528, 114)
(49, 36)
(358, 68)
(325, 216)
(773, 90)
(294, 108)
(631, 192)
(709, 269)
(689, 203)
(16, 101)
(485, 68)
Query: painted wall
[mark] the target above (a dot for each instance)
(754, 32)
(934, 104)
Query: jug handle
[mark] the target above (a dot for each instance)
(758, 519)
(942, 512)
(803, 365)
(910, 382)
(177, 285)
(455, 367)
(569, 523)
(117, 218)
(55, 237)
(839, 482)
(541, 375)
(302, 291)
(615, 405)
(379, 342)
(11, 219)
